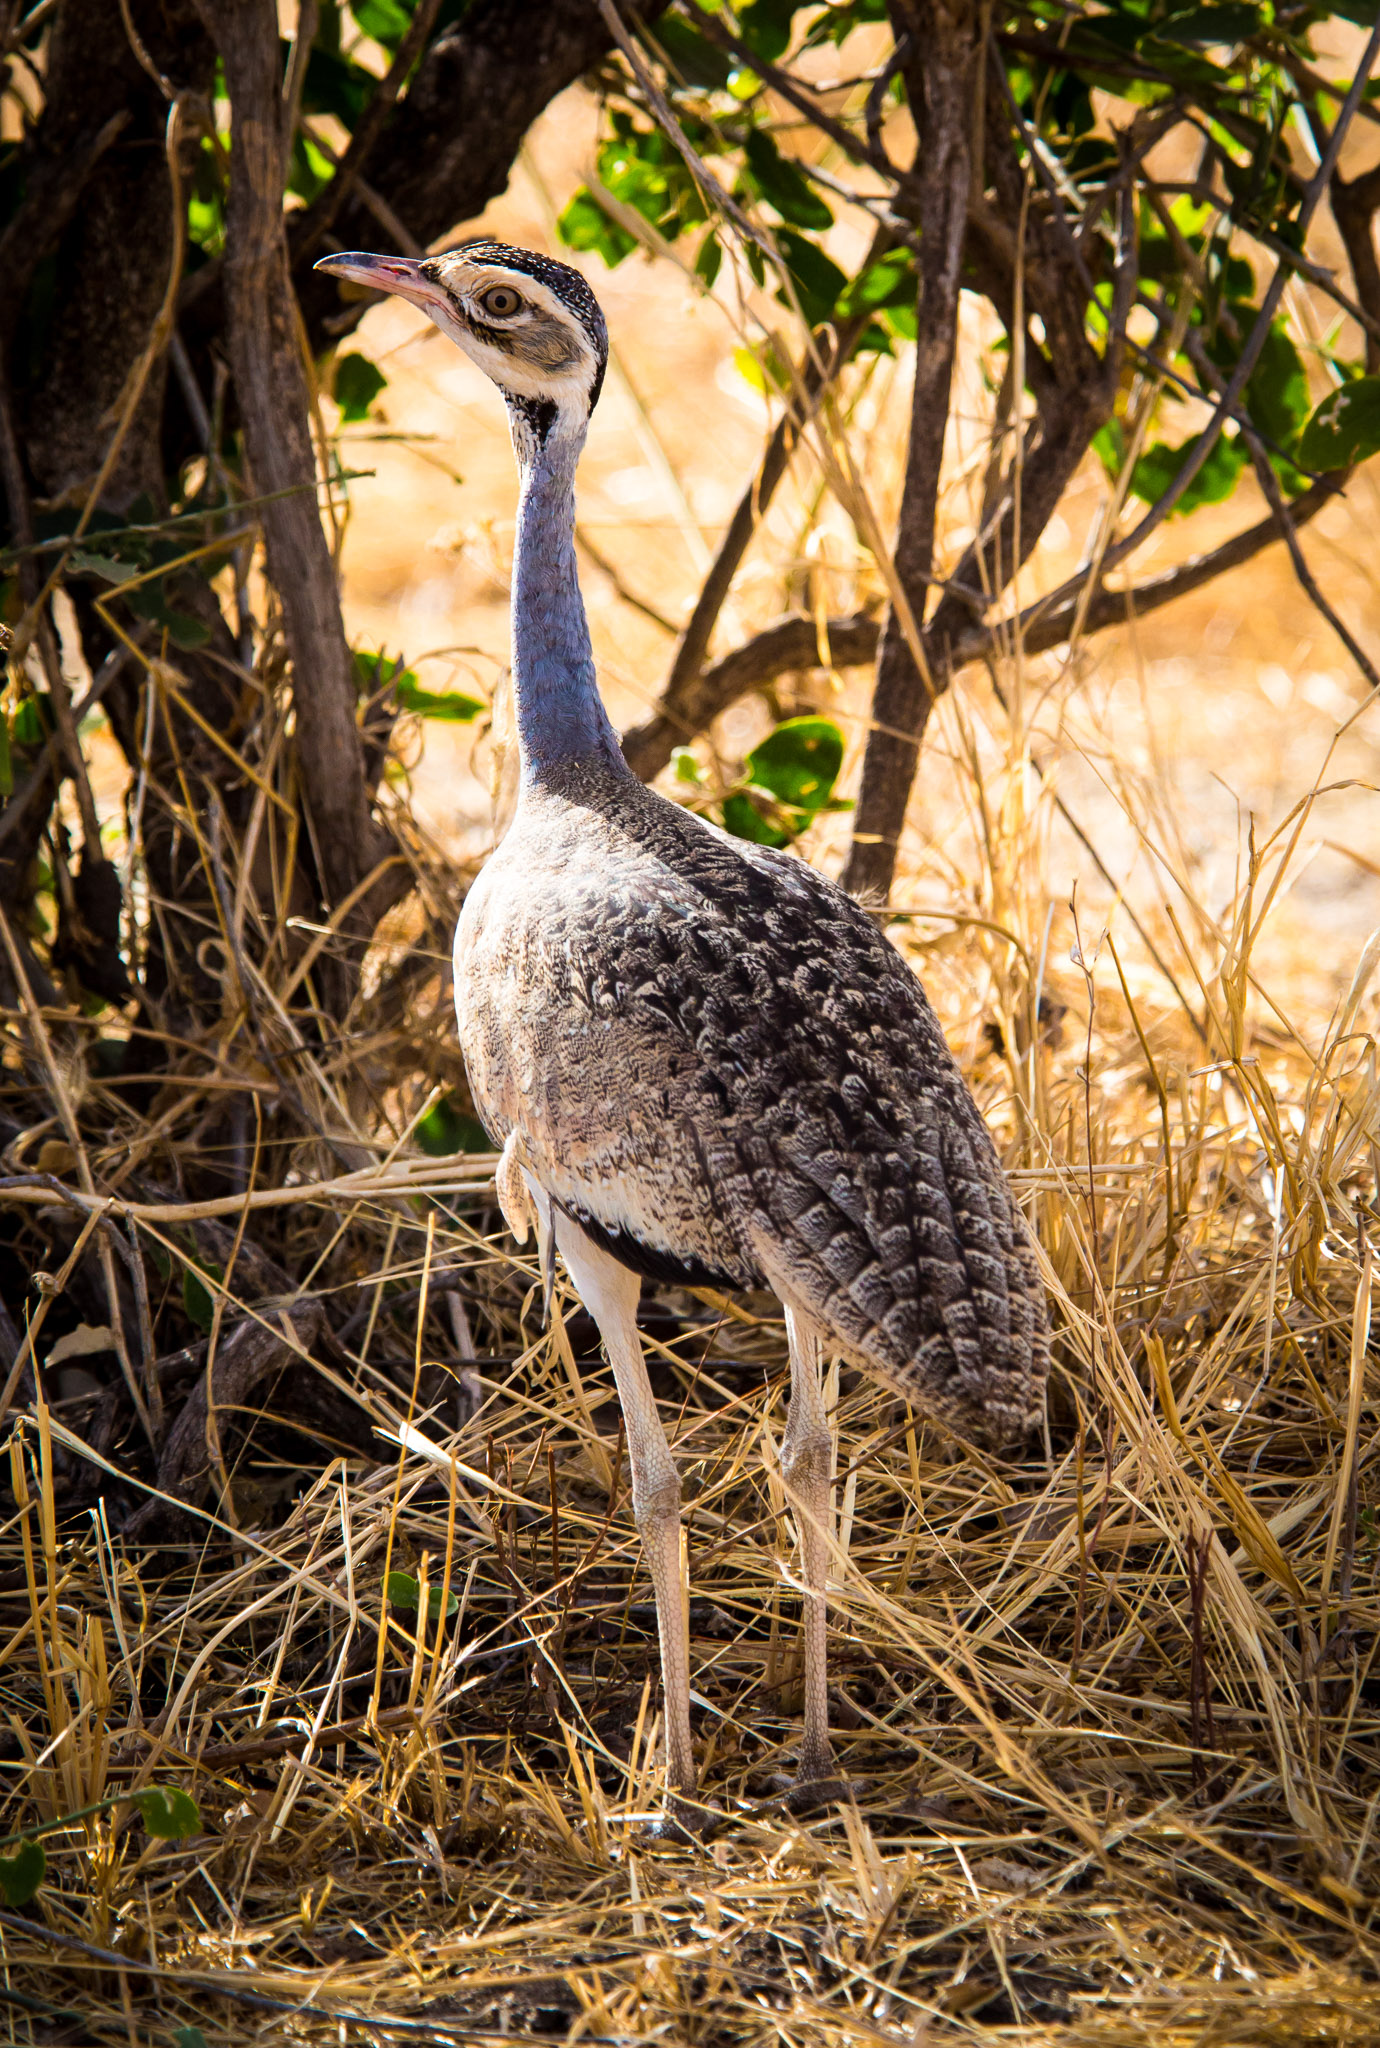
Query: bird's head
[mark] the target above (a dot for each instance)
(531, 324)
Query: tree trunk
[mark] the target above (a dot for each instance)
(87, 259)
(939, 70)
(274, 403)
(87, 250)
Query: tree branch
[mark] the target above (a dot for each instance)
(1039, 266)
(1274, 497)
(939, 72)
(868, 152)
(1040, 628)
(273, 401)
(321, 215)
(1225, 409)
(823, 361)
(445, 150)
(792, 642)
(1354, 204)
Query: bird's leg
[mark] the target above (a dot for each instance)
(609, 1291)
(805, 1457)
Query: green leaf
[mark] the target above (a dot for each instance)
(375, 672)
(189, 2037)
(206, 225)
(1277, 389)
(452, 705)
(169, 1814)
(1208, 25)
(584, 225)
(150, 602)
(1109, 446)
(198, 1302)
(696, 59)
(745, 821)
(357, 384)
(206, 200)
(749, 367)
(790, 779)
(404, 1591)
(1216, 480)
(708, 259)
(106, 1057)
(33, 721)
(186, 632)
(334, 85)
(6, 763)
(1345, 428)
(888, 282)
(783, 185)
(105, 566)
(765, 26)
(309, 170)
(1276, 394)
(636, 167)
(876, 337)
(799, 762)
(887, 288)
(446, 1129)
(384, 20)
(817, 278)
(22, 1874)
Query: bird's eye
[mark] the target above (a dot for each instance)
(500, 301)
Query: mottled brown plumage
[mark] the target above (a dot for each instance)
(723, 1072)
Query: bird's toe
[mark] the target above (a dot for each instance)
(686, 1820)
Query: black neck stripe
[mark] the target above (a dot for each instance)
(538, 413)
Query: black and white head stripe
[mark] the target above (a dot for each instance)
(564, 285)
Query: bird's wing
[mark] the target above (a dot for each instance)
(835, 1130)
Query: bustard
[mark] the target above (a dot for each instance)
(703, 1061)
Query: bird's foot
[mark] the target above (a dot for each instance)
(818, 1783)
(686, 1819)
(809, 1794)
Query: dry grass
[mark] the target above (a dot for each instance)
(1111, 1714)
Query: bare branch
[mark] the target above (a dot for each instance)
(271, 388)
(444, 150)
(1041, 628)
(1354, 204)
(939, 71)
(869, 152)
(1040, 266)
(1275, 499)
(792, 642)
(1205, 442)
(823, 360)
(321, 215)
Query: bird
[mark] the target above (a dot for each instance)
(703, 1061)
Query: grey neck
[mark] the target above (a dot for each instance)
(561, 720)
